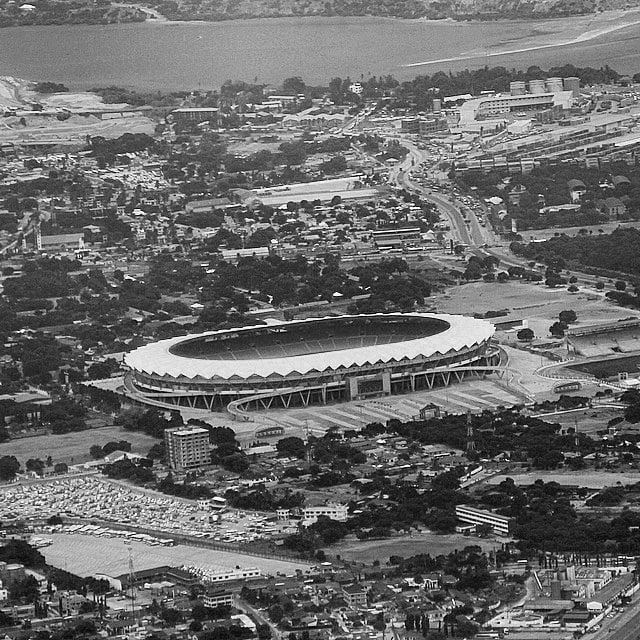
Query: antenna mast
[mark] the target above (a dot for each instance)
(131, 579)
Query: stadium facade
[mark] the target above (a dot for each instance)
(312, 361)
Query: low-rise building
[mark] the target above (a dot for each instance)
(333, 511)
(355, 595)
(501, 525)
(213, 599)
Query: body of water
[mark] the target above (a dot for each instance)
(165, 55)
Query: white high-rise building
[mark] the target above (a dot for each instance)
(187, 448)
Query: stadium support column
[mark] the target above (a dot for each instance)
(324, 394)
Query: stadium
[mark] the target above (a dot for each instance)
(312, 361)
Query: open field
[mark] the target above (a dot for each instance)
(87, 555)
(589, 479)
(432, 543)
(609, 366)
(606, 227)
(43, 129)
(537, 304)
(589, 421)
(74, 447)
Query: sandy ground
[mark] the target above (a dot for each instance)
(88, 555)
(16, 94)
(48, 129)
(74, 447)
(574, 30)
(369, 550)
(9, 88)
(590, 479)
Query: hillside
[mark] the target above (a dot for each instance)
(432, 9)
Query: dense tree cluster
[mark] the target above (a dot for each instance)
(137, 472)
(618, 251)
(262, 499)
(43, 278)
(149, 421)
(546, 521)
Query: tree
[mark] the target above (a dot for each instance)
(620, 285)
(26, 589)
(96, 452)
(61, 467)
(526, 334)
(572, 288)
(291, 447)
(569, 316)
(599, 285)
(35, 465)
(293, 86)
(101, 370)
(9, 467)
(85, 627)
(171, 616)
(554, 280)
(557, 329)
(276, 613)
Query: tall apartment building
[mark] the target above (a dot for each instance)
(187, 447)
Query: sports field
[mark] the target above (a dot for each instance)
(589, 479)
(432, 543)
(588, 421)
(73, 448)
(87, 555)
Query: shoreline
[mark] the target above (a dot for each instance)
(586, 36)
(159, 19)
(123, 54)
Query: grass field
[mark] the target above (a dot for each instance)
(74, 447)
(588, 421)
(367, 551)
(590, 479)
(88, 555)
(537, 304)
(607, 367)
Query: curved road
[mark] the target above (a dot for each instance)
(473, 234)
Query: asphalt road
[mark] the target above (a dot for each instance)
(624, 626)
(474, 234)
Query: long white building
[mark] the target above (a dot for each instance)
(501, 525)
(502, 103)
(333, 511)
